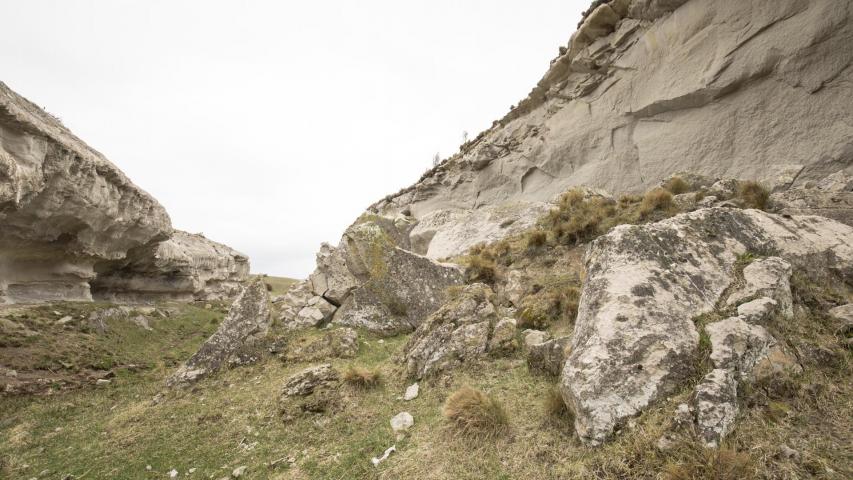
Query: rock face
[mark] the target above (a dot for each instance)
(374, 281)
(69, 216)
(184, 267)
(646, 88)
(247, 321)
(635, 339)
(462, 330)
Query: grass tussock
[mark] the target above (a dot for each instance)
(480, 269)
(676, 186)
(361, 377)
(654, 200)
(536, 238)
(548, 306)
(753, 195)
(555, 408)
(711, 464)
(472, 412)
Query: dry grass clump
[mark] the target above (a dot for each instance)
(676, 186)
(536, 238)
(480, 268)
(654, 200)
(548, 306)
(362, 377)
(753, 195)
(711, 464)
(555, 408)
(472, 412)
(578, 219)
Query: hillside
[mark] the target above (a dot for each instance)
(643, 271)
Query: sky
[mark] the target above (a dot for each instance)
(271, 125)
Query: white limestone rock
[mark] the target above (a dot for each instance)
(634, 338)
(716, 406)
(248, 321)
(766, 277)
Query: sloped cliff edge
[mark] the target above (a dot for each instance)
(644, 89)
(69, 216)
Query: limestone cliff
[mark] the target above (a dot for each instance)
(645, 88)
(67, 214)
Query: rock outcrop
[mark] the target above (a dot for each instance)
(635, 339)
(184, 267)
(464, 329)
(247, 322)
(68, 217)
(645, 88)
(371, 280)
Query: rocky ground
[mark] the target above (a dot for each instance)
(763, 378)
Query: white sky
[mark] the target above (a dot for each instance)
(271, 125)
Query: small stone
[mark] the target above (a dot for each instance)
(173, 473)
(192, 470)
(102, 381)
(534, 337)
(239, 471)
(377, 460)
(148, 468)
(411, 392)
(402, 422)
(64, 320)
(789, 453)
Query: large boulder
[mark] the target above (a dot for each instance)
(460, 331)
(831, 197)
(635, 339)
(248, 321)
(376, 283)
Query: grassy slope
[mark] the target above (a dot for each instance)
(115, 431)
(279, 284)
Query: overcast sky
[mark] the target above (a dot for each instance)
(271, 125)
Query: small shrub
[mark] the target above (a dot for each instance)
(472, 412)
(536, 239)
(578, 219)
(676, 186)
(555, 408)
(480, 269)
(657, 199)
(549, 305)
(362, 378)
(753, 195)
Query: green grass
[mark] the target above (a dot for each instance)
(233, 418)
(279, 284)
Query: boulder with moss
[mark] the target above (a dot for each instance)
(376, 283)
(462, 330)
(635, 340)
(248, 322)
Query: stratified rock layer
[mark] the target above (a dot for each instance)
(69, 216)
(635, 339)
(184, 267)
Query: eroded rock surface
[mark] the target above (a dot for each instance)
(184, 267)
(459, 331)
(645, 88)
(248, 321)
(376, 283)
(635, 338)
(70, 218)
